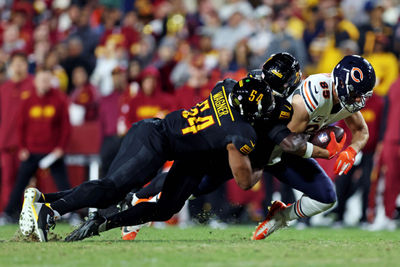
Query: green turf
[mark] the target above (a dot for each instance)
(202, 246)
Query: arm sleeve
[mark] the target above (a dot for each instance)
(278, 133)
(245, 140)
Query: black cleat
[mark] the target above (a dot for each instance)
(43, 220)
(93, 226)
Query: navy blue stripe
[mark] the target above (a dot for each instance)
(301, 208)
(312, 94)
(295, 210)
(305, 100)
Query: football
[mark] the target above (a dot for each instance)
(321, 138)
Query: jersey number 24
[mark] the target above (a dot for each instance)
(197, 123)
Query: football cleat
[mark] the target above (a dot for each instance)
(43, 220)
(93, 226)
(28, 213)
(130, 232)
(275, 220)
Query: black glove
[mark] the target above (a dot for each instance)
(93, 226)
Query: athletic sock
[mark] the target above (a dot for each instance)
(61, 206)
(305, 207)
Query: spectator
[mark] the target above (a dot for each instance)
(12, 42)
(51, 62)
(373, 27)
(83, 31)
(12, 92)
(385, 64)
(197, 87)
(236, 29)
(43, 131)
(390, 158)
(75, 58)
(108, 57)
(110, 109)
(84, 94)
(150, 102)
(359, 176)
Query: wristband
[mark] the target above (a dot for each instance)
(309, 150)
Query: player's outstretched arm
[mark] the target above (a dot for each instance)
(359, 131)
(241, 168)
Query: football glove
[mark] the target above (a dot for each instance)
(93, 226)
(345, 161)
(334, 147)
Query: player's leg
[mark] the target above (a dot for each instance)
(153, 188)
(178, 186)
(306, 176)
(134, 165)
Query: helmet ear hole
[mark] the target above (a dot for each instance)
(252, 98)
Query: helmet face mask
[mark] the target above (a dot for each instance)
(282, 73)
(354, 79)
(253, 99)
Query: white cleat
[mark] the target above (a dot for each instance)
(28, 213)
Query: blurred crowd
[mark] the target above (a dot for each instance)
(115, 62)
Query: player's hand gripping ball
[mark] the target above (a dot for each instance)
(331, 138)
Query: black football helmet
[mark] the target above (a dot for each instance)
(354, 77)
(252, 98)
(282, 73)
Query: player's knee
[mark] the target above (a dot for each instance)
(331, 196)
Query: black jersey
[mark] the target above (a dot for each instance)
(210, 125)
(271, 133)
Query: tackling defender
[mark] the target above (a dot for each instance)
(222, 122)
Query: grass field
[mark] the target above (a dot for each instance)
(202, 246)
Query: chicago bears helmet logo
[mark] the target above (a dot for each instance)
(360, 74)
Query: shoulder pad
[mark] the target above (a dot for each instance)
(283, 111)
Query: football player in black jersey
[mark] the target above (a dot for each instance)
(186, 175)
(222, 122)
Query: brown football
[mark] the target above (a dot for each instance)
(322, 137)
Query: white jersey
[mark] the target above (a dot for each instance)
(316, 92)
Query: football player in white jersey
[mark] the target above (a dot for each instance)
(320, 100)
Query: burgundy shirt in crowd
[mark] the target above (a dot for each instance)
(109, 110)
(43, 124)
(186, 96)
(144, 107)
(392, 131)
(11, 96)
(88, 97)
(372, 113)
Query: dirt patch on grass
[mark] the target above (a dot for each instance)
(19, 237)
